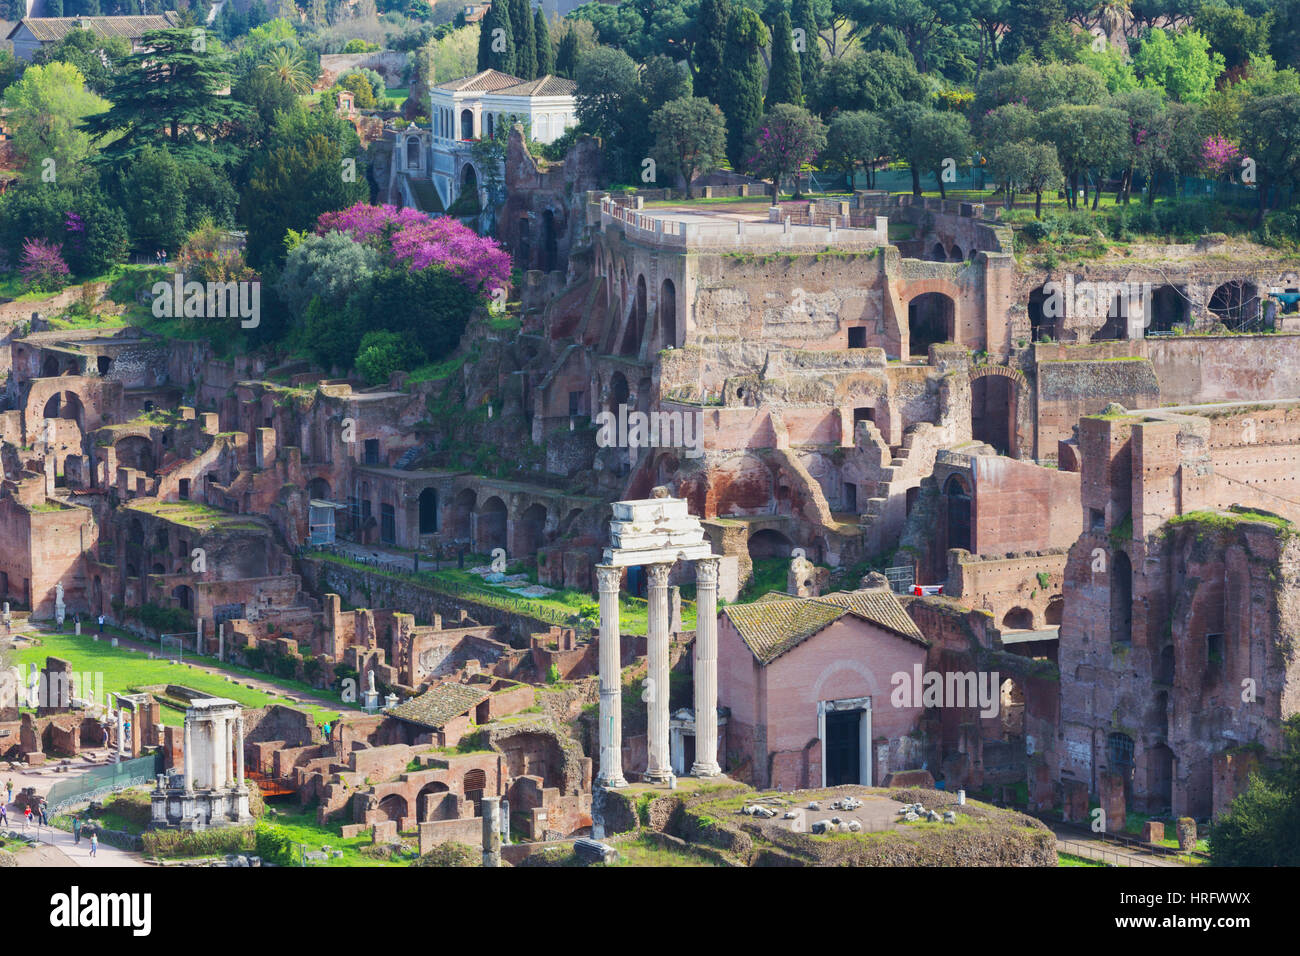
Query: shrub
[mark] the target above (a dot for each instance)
(382, 353)
(43, 268)
(450, 854)
(274, 844)
(215, 842)
(553, 674)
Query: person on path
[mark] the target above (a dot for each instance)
(27, 816)
(76, 828)
(9, 788)
(94, 842)
(100, 621)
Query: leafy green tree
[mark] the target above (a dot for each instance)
(47, 108)
(96, 57)
(920, 23)
(1147, 139)
(209, 194)
(10, 69)
(329, 267)
(690, 137)
(542, 40)
(873, 80)
(606, 101)
(1181, 65)
(742, 87)
(856, 140)
(1037, 28)
(927, 139)
(299, 176)
(1233, 33)
(429, 307)
(265, 95)
(662, 81)
(1270, 136)
(288, 67)
(784, 83)
(1038, 86)
(710, 62)
(803, 17)
(496, 45)
(1111, 65)
(1025, 166)
(173, 87)
(788, 137)
(152, 193)
(1086, 138)
(91, 229)
(1262, 824)
(1006, 124)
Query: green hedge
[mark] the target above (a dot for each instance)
(215, 842)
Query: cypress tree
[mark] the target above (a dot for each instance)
(566, 58)
(742, 83)
(710, 51)
(497, 18)
(810, 57)
(784, 84)
(521, 25)
(545, 50)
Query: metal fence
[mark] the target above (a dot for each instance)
(100, 781)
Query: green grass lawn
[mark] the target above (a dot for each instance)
(301, 827)
(1069, 859)
(124, 670)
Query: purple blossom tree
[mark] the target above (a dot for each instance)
(42, 268)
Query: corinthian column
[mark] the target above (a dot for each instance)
(611, 684)
(239, 752)
(218, 763)
(658, 766)
(706, 669)
(189, 754)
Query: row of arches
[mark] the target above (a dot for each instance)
(1235, 303)
(633, 312)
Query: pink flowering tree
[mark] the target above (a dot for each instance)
(788, 136)
(42, 267)
(420, 241)
(1219, 154)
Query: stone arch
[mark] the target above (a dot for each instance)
(136, 451)
(668, 314)
(490, 523)
(937, 252)
(393, 807)
(460, 522)
(1235, 303)
(1041, 325)
(955, 253)
(183, 595)
(1011, 708)
(931, 320)
(999, 395)
(619, 391)
(319, 489)
(570, 523)
(1018, 619)
(769, 543)
(530, 531)
(636, 320)
(1055, 610)
(1169, 307)
(50, 367)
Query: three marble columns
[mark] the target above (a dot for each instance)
(224, 734)
(659, 766)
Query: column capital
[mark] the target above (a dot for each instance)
(608, 578)
(657, 574)
(706, 571)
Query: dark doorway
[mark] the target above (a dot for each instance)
(550, 245)
(429, 511)
(1169, 307)
(387, 524)
(958, 513)
(858, 337)
(850, 497)
(929, 321)
(993, 412)
(1041, 326)
(842, 764)
(1121, 599)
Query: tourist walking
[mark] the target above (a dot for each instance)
(9, 789)
(94, 842)
(27, 816)
(45, 813)
(76, 828)
(100, 621)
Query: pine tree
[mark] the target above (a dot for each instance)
(742, 82)
(521, 25)
(810, 57)
(710, 51)
(496, 50)
(545, 50)
(784, 84)
(566, 58)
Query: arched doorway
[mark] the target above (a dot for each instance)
(393, 807)
(183, 596)
(930, 320)
(136, 452)
(769, 543)
(460, 525)
(993, 406)
(530, 531)
(550, 243)
(1160, 781)
(1235, 304)
(490, 526)
(636, 321)
(1055, 610)
(1169, 308)
(1018, 619)
(668, 313)
(1041, 326)
(429, 511)
(1011, 710)
(618, 391)
(955, 253)
(466, 124)
(938, 253)
(318, 489)
(958, 512)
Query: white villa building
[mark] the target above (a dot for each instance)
(476, 106)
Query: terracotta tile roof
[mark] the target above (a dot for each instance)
(547, 85)
(438, 705)
(777, 623)
(52, 29)
(488, 81)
